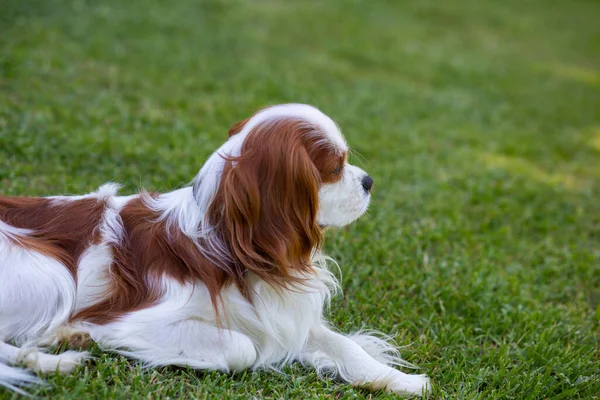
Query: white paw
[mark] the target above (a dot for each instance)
(413, 385)
(45, 363)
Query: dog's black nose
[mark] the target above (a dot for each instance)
(367, 183)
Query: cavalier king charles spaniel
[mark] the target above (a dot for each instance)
(225, 274)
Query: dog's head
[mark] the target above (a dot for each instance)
(269, 191)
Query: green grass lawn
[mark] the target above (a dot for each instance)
(478, 120)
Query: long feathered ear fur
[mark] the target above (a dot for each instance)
(266, 205)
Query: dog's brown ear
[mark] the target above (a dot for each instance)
(266, 206)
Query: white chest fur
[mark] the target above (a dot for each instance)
(279, 321)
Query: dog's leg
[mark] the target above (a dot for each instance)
(38, 361)
(189, 342)
(329, 351)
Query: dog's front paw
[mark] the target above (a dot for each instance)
(410, 385)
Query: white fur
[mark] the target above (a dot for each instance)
(105, 191)
(93, 275)
(37, 293)
(344, 201)
(93, 270)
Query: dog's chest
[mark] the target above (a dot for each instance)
(279, 322)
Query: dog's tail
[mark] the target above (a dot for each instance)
(14, 378)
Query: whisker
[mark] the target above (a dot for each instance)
(360, 157)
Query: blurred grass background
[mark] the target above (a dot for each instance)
(478, 120)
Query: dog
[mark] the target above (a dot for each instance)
(224, 274)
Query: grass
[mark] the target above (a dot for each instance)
(479, 121)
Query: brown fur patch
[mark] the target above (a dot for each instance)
(329, 163)
(62, 229)
(147, 254)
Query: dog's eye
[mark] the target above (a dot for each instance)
(337, 170)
